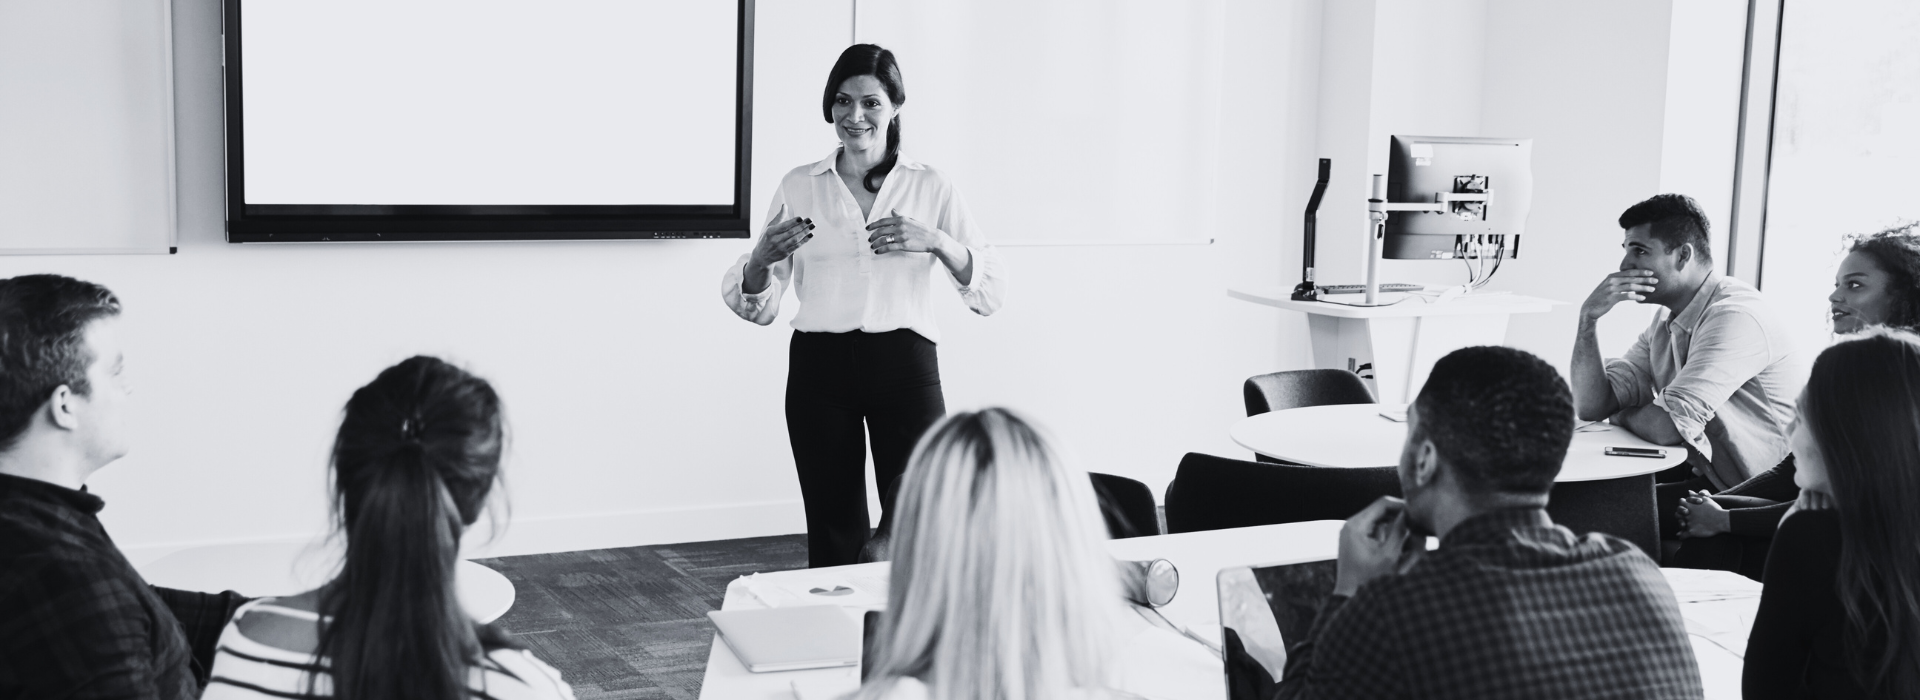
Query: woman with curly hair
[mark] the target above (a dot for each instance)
(1878, 284)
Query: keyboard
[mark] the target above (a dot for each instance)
(1359, 288)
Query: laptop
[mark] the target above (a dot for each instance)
(790, 639)
(1264, 609)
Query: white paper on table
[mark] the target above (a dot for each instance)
(1718, 606)
(783, 589)
(826, 688)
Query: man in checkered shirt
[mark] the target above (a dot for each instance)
(1510, 605)
(76, 621)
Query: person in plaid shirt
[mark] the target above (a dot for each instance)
(1510, 605)
(76, 621)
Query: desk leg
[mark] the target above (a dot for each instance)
(1378, 349)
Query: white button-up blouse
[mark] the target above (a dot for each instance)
(841, 284)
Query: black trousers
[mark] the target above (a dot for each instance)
(844, 390)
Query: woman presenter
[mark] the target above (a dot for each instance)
(858, 236)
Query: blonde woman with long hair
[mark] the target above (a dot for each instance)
(1001, 585)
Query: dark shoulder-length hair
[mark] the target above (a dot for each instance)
(1863, 406)
(417, 453)
(869, 59)
(1897, 252)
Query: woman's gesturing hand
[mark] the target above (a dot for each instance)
(781, 238)
(900, 233)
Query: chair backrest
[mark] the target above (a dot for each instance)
(1215, 493)
(1621, 507)
(1305, 387)
(1127, 506)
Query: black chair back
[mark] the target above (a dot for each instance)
(1127, 506)
(1621, 507)
(1215, 493)
(1306, 387)
(1301, 388)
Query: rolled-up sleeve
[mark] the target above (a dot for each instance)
(987, 289)
(1728, 349)
(1631, 375)
(763, 307)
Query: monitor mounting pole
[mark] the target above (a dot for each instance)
(1305, 291)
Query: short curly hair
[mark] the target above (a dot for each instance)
(1896, 251)
(1501, 418)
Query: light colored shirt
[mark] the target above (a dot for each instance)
(1726, 371)
(842, 285)
(244, 669)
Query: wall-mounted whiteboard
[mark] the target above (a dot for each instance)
(1064, 121)
(86, 126)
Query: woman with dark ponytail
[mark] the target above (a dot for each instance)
(862, 365)
(417, 454)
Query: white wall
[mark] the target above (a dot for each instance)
(1613, 122)
(645, 412)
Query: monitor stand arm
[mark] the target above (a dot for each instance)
(1305, 291)
(1377, 210)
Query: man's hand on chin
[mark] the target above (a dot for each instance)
(1372, 544)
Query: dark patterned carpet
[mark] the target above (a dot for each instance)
(631, 623)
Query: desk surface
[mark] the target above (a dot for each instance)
(278, 569)
(1409, 305)
(1356, 435)
(1718, 606)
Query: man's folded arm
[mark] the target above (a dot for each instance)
(1651, 423)
(1727, 351)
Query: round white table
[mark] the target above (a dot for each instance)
(1357, 435)
(1717, 606)
(278, 569)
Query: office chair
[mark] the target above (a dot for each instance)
(1127, 506)
(1622, 507)
(1301, 388)
(1215, 493)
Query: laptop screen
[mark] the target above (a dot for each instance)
(1263, 610)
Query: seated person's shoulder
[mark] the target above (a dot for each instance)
(66, 576)
(269, 622)
(1808, 530)
(74, 619)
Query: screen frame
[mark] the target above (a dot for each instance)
(1419, 235)
(305, 223)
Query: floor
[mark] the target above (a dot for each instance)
(631, 623)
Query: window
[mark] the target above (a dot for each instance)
(1846, 145)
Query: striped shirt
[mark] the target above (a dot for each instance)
(244, 669)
